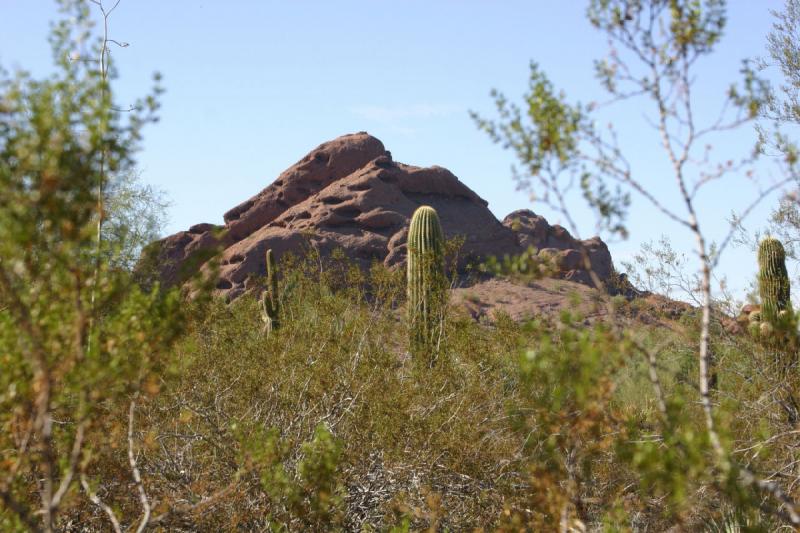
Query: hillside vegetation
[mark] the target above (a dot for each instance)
(331, 361)
(327, 423)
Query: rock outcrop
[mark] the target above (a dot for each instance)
(533, 230)
(348, 193)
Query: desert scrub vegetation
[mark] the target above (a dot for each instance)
(329, 424)
(124, 408)
(338, 367)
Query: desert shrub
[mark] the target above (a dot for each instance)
(327, 423)
(80, 341)
(339, 360)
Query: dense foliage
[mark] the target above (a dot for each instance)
(78, 339)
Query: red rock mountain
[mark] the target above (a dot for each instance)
(348, 193)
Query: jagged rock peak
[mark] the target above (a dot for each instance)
(322, 166)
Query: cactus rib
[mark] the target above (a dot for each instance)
(425, 279)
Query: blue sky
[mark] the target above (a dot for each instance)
(252, 86)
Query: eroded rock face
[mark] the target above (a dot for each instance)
(348, 193)
(533, 230)
(323, 166)
(177, 257)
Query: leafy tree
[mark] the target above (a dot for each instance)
(654, 50)
(659, 268)
(135, 215)
(79, 341)
(783, 108)
(783, 45)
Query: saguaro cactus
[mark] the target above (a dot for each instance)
(269, 299)
(773, 280)
(425, 280)
(775, 324)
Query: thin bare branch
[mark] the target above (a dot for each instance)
(95, 499)
(66, 480)
(137, 477)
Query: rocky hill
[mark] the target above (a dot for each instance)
(349, 193)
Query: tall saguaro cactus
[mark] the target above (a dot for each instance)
(425, 280)
(775, 324)
(773, 280)
(269, 299)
